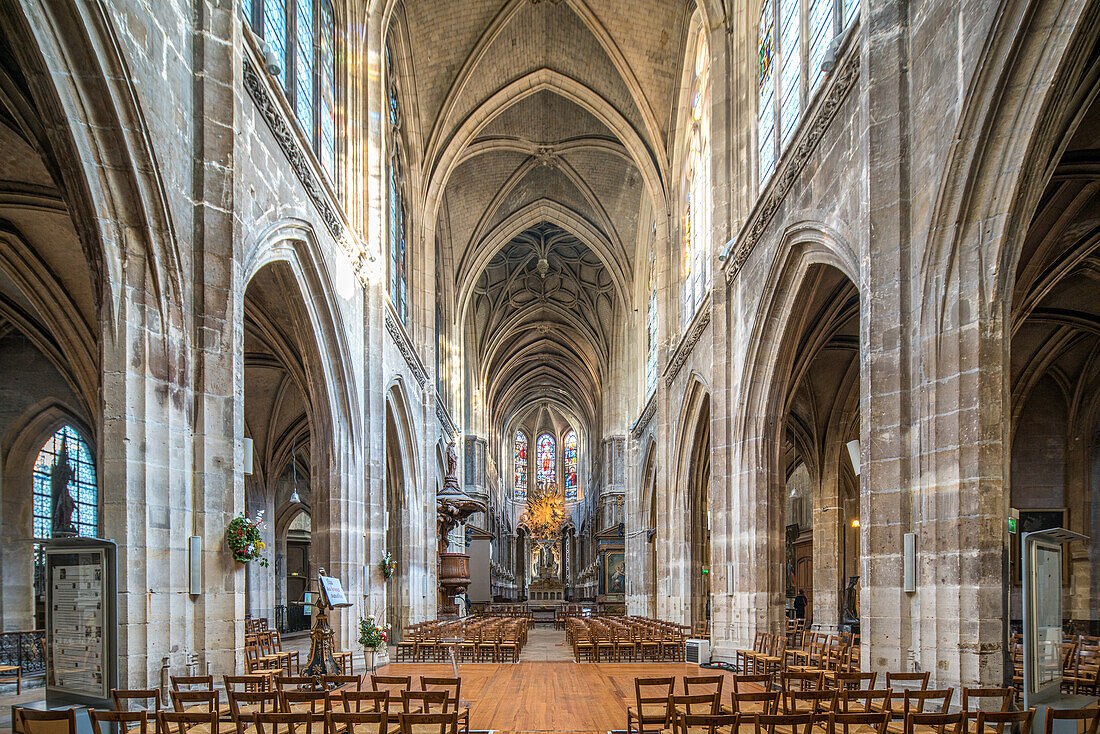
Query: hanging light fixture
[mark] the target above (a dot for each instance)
(294, 498)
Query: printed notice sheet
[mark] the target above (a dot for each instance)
(77, 616)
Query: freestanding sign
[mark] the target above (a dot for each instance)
(81, 621)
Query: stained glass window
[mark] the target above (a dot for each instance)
(65, 455)
(519, 460)
(546, 470)
(651, 319)
(790, 69)
(696, 223)
(326, 76)
(569, 464)
(303, 63)
(398, 275)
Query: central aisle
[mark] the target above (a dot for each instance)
(546, 644)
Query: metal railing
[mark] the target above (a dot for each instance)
(27, 649)
(290, 619)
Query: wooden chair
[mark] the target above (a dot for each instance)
(707, 724)
(371, 722)
(625, 648)
(755, 703)
(867, 701)
(424, 702)
(391, 684)
(606, 651)
(295, 683)
(800, 680)
(428, 723)
(848, 680)
(10, 673)
(583, 648)
(453, 688)
(743, 681)
(1086, 673)
(345, 661)
(127, 721)
(784, 723)
(304, 702)
(285, 723)
(858, 723)
(1088, 720)
(359, 702)
(256, 659)
(242, 704)
(922, 702)
(818, 703)
(741, 657)
(342, 681)
(652, 710)
(672, 647)
(693, 704)
(694, 684)
(61, 721)
(486, 650)
(194, 701)
(940, 723)
(187, 722)
(192, 682)
(148, 699)
(249, 683)
(290, 656)
(1018, 722)
(405, 651)
(508, 649)
(1001, 698)
(907, 681)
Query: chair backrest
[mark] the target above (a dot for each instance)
(942, 723)
(864, 701)
(652, 697)
(703, 684)
(284, 723)
(877, 721)
(925, 702)
(1000, 697)
(148, 699)
(393, 684)
(295, 701)
(295, 682)
(251, 682)
(855, 680)
(697, 703)
(1088, 720)
(918, 681)
(195, 701)
(1018, 721)
(62, 721)
(123, 721)
(785, 723)
(757, 702)
(353, 682)
(370, 722)
(741, 682)
(424, 702)
(812, 702)
(429, 723)
(262, 701)
(365, 701)
(451, 686)
(192, 682)
(182, 721)
(707, 723)
(798, 680)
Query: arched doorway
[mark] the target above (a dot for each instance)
(400, 494)
(695, 479)
(649, 512)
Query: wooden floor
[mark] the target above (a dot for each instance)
(543, 696)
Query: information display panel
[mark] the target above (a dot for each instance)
(76, 621)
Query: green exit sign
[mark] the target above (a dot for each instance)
(1012, 522)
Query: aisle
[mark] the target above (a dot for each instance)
(546, 644)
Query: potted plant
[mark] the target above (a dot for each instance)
(243, 538)
(372, 636)
(388, 565)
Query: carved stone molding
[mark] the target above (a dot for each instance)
(806, 143)
(683, 351)
(445, 420)
(287, 139)
(648, 412)
(411, 359)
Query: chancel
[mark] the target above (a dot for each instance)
(542, 365)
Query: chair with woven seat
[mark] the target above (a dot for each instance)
(12, 674)
(652, 710)
(136, 722)
(428, 723)
(625, 648)
(284, 723)
(688, 704)
(486, 649)
(649, 647)
(368, 722)
(864, 722)
(583, 648)
(188, 722)
(508, 649)
(929, 701)
(424, 702)
(59, 721)
(405, 651)
(346, 682)
(901, 682)
(801, 680)
(304, 702)
(741, 657)
(1087, 719)
(695, 684)
(867, 701)
(192, 682)
(606, 651)
(194, 700)
(940, 723)
(848, 680)
(453, 688)
(242, 704)
(707, 724)
(784, 723)
(1000, 700)
(147, 699)
(250, 683)
(295, 682)
(818, 703)
(752, 703)
(291, 656)
(357, 702)
(994, 722)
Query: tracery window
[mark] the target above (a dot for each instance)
(302, 35)
(66, 461)
(519, 461)
(569, 465)
(790, 71)
(546, 469)
(651, 323)
(696, 219)
(398, 257)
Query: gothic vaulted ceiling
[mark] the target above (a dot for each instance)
(541, 130)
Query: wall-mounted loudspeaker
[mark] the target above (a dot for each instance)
(909, 562)
(194, 565)
(248, 456)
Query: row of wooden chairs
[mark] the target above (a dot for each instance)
(597, 640)
(1080, 664)
(487, 640)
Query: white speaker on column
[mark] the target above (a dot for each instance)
(909, 562)
(194, 565)
(247, 462)
(853, 455)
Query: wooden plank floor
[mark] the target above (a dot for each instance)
(542, 696)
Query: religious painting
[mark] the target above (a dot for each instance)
(569, 447)
(791, 569)
(613, 573)
(1030, 522)
(546, 460)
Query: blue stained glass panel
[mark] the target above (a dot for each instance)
(546, 458)
(569, 459)
(519, 461)
(275, 33)
(303, 71)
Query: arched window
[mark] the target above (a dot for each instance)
(302, 35)
(519, 461)
(790, 71)
(63, 465)
(569, 464)
(546, 468)
(651, 321)
(696, 225)
(398, 257)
